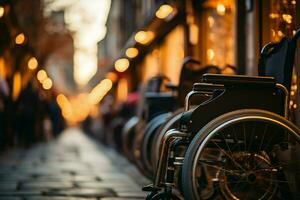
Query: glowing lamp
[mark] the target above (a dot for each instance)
(106, 84)
(2, 10)
(221, 9)
(47, 84)
(112, 76)
(20, 38)
(144, 37)
(164, 11)
(132, 52)
(122, 64)
(41, 75)
(32, 63)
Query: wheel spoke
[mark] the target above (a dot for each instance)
(263, 137)
(251, 136)
(221, 168)
(229, 156)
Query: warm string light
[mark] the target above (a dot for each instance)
(41, 75)
(44, 79)
(47, 84)
(274, 15)
(112, 76)
(121, 64)
(144, 37)
(77, 108)
(122, 90)
(293, 101)
(221, 9)
(20, 39)
(282, 17)
(211, 21)
(2, 68)
(32, 63)
(194, 34)
(98, 92)
(210, 54)
(164, 11)
(17, 85)
(132, 52)
(2, 11)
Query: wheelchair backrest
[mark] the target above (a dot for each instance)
(154, 84)
(153, 100)
(277, 60)
(190, 76)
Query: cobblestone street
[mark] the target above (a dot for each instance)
(71, 167)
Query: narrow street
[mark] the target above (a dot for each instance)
(72, 167)
(186, 99)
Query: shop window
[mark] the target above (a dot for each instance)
(281, 16)
(279, 20)
(215, 19)
(166, 58)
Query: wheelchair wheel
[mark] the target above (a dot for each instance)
(128, 133)
(147, 139)
(245, 154)
(172, 122)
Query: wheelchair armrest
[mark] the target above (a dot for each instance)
(238, 79)
(172, 86)
(207, 87)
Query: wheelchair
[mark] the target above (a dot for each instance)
(238, 144)
(145, 131)
(149, 146)
(149, 107)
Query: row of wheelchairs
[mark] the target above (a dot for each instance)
(217, 136)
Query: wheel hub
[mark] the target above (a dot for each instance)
(245, 177)
(251, 177)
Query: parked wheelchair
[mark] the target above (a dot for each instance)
(158, 107)
(148, 143)
(237, 144)
(148, 108)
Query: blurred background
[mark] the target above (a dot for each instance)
(77, 62)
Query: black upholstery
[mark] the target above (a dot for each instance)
(277, 60)
(238, 79)
(207, 87)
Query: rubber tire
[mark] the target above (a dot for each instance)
(187, 168)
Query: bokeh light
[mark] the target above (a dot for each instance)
(32, 63)
(122, 64)
(20, 38)
(164, 11)
(144, 37)
(132, 52)
(47, 84)
(41, 75)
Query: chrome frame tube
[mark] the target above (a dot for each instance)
(164, 154)
(189, 95)
(286, 99)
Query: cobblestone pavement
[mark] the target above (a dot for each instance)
(72, 167)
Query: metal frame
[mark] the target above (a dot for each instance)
(174, 135)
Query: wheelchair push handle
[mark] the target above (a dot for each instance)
(189, 60)
(270, 45)
(201, 89)
(296, 35)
